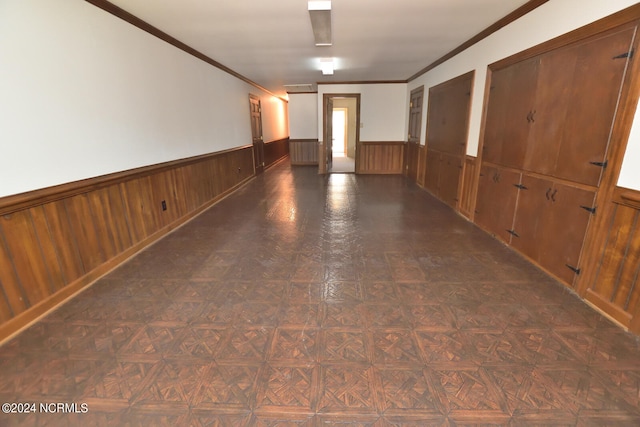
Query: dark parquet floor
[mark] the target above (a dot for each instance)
(304, 300)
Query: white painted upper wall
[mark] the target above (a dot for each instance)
(630, 173)
(83, 94)
(550, 20)
(383, 116)
(303, 115)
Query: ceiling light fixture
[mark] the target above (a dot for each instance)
(320, 13)
(326, 65)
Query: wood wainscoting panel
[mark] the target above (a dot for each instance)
(468, 186)
(422, 165)
(380, 157)
(70, 262)
(54, 244)
(275, 150)
(24, 251)
(615, 286)
(303, 151)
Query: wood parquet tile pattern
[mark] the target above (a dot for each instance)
(304, 300)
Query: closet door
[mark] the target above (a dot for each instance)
(436, 120)
(511, 102)
(563, 227)
(450, 171)
(496, 200)
(433, 172)
(532, 204)
(592, 100)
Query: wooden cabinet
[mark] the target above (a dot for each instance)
(447, 127)
(549, 118)
(512, 95)
(553, 114)
(496, 200)
(577, 95)
(550, 223)
(443, 176)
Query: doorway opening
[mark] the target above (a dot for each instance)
(341, 133)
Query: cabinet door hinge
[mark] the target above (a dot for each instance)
(625, 55)
(513, 233)
(520, 186)
(588, 209)
(603, 165)
(572, 268)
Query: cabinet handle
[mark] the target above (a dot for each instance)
(513, 233)
(553, 195)
(548, 191)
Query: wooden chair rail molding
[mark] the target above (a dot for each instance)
(28, 199)
(56, 241)
(625, 196)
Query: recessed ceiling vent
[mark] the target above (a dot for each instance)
(303, 87)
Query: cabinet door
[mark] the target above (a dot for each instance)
(448, 115)
(450, 170)
(591, 107)
(532, 202)
(521, 101)
(496, 200)
(563, 228)
(436, 120)
(511, 102)
(456, 117)
(433, 172)
(547, 118)
(496, 115)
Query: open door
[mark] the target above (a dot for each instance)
(256, 133)
(325, 155)
(328, 137)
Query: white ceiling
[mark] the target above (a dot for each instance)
(271, 41)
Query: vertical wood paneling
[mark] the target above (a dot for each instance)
(629, 269)
(5, 309)
(161, 187)
(64, 241)
(468, 185)
(615, 287)
(422, 165)
(85, 232)
(24, 250)
(303, 152)
(108, 211)
(50, 255)
(137, 200)
(10, 284)
(275, 150)
(380, 157)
